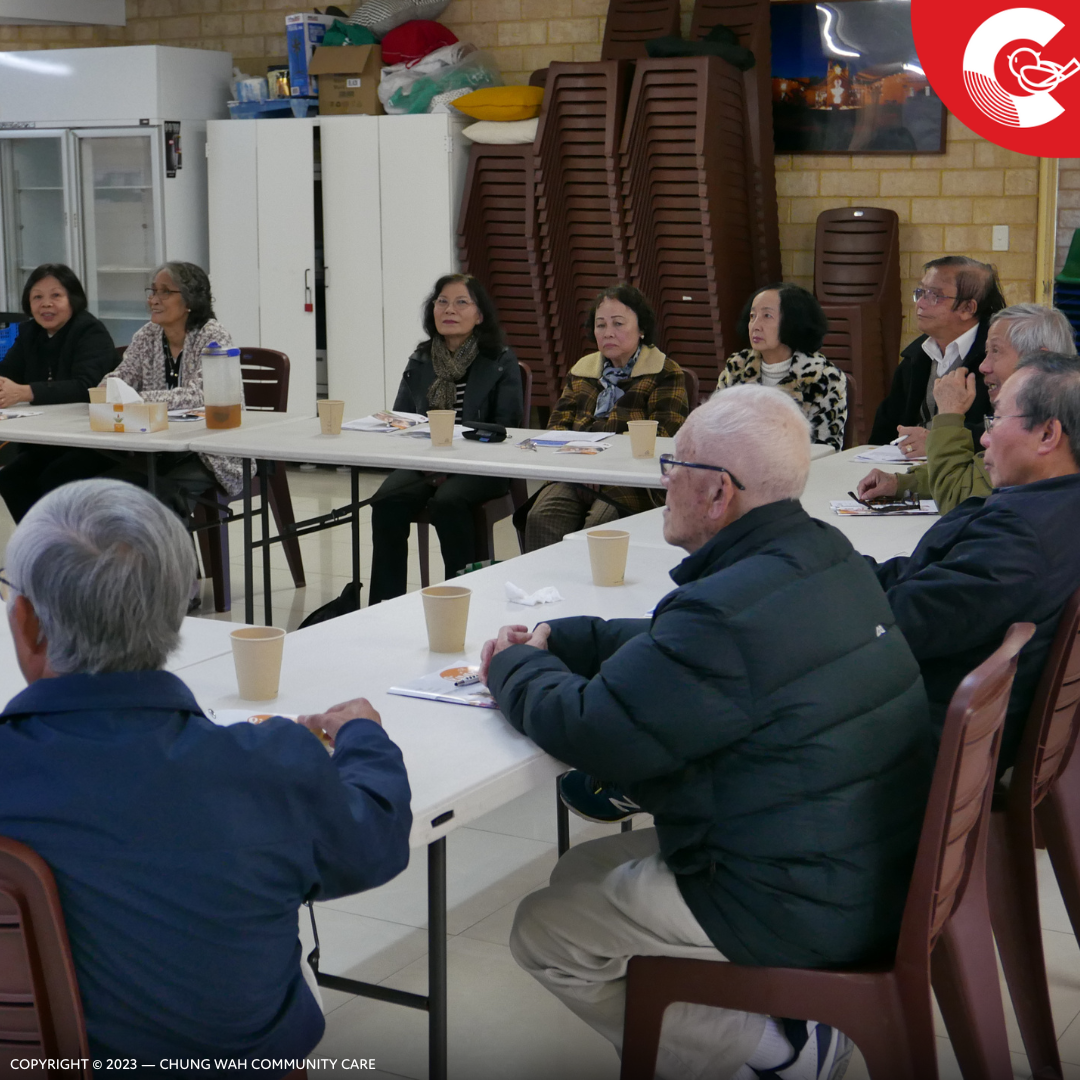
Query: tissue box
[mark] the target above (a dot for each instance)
(139, 417)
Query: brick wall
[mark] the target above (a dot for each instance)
(947, 203)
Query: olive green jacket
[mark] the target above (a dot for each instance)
(953, 471)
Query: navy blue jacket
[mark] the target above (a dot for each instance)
(1011, 557)
(772, 720)
(183, 850)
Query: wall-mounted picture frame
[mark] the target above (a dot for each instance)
(846, 80)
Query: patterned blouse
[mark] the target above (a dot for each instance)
(815, 384)
(143, 369)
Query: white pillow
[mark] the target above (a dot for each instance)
(502, 132)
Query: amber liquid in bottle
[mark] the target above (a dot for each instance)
(223, 416)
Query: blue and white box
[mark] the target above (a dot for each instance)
(303, 33)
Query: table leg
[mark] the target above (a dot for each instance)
(437, 960)
(356, 530)
(249, 569)
(562, 822)
(151, 473)
(264, 514)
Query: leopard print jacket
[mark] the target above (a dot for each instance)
(815, 384)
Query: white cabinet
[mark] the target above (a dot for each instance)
(89, 170)
(390, 192)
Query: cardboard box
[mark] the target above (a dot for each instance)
(302, 33)
(138, 417)
(348, 79)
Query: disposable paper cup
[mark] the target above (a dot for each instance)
(97, 395)
(642, 437)
(442, 426)
(607, 553)
(446, 611)
(257, 656)
(330, 416)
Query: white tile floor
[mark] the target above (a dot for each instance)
(502, 1026)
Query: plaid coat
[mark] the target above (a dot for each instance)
(655, 391)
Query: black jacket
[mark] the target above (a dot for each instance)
(906, 397)
(62, 368)
(492, 387)
(772, 720)
(1011, 557)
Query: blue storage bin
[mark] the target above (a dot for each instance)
(8, 334)
(276, 107)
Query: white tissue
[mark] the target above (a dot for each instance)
(548, 595)
(118, 391)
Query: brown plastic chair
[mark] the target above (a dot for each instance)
(944, 936)
(851, 425)
(1041, 794)
(486, 514)
(853, 344)
(266, 388)
(693, 387)
(40, 1009)
(630, 23)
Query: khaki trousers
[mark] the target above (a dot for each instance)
(563, 508)
(611, 899)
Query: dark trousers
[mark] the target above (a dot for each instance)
(397, 503)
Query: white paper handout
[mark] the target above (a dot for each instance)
(386, 421)
(458, 685)
(559, 438)
(850, 508)
(15, 414)
(886, 455)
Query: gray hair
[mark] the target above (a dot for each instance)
(194, 287)
(1052, 392)
(760, 434)
(1034, 327)
(108, 570)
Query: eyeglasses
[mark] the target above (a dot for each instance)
(6, 588)
(989, 420)
(668, 462)
(460, 304)
(933, 296)
(160, 293)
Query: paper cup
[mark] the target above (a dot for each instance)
(330, 416)
(97, 395)
(446, 611)
(642, 437)
(607, 553)
(257, 656)
(442, 426)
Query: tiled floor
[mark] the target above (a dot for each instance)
(502, 1026)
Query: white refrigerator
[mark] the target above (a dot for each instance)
(103, 167)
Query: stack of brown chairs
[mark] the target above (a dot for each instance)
(857, 281)
(749, 19)
(630, 23)
(578, 199)
(498, 242)
(686, 195)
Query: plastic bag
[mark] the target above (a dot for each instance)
(406, 88)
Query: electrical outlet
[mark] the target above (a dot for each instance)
(1001, 238)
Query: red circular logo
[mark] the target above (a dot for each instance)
(1011, 73)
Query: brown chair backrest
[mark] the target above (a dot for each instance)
(630, 23)
(1051, 730)
(693, 387)
(957, 815)
(266, 379)
(40, 1008)
(526, 389)
(850, 424)
(120, 350)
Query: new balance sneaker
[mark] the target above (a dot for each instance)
(594, 800)
(821, 1053)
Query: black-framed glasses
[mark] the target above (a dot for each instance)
(935, 296)
(989, 420)
(160, 293)
(668, 462)
(6, 588)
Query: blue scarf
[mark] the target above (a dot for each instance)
(610, 391)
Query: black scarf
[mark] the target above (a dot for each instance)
(450, 368)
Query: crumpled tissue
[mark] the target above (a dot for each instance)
(547, 595)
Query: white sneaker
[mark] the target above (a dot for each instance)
(824, 1056)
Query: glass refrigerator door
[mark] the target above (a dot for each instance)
(34, 222)
(122, 234)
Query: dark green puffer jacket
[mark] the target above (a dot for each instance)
(772, 719)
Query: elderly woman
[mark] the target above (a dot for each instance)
(60, 352)
(785, 327)
(628, 378)
(462, 365)
(166, 833)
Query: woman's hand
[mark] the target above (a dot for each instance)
(12, 393)
(512, 635)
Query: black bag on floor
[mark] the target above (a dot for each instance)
(348, 601)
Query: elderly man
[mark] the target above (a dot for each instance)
(772, 721)
(953, 305)
(1012, 557)
(182, 850)
(954, 471)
